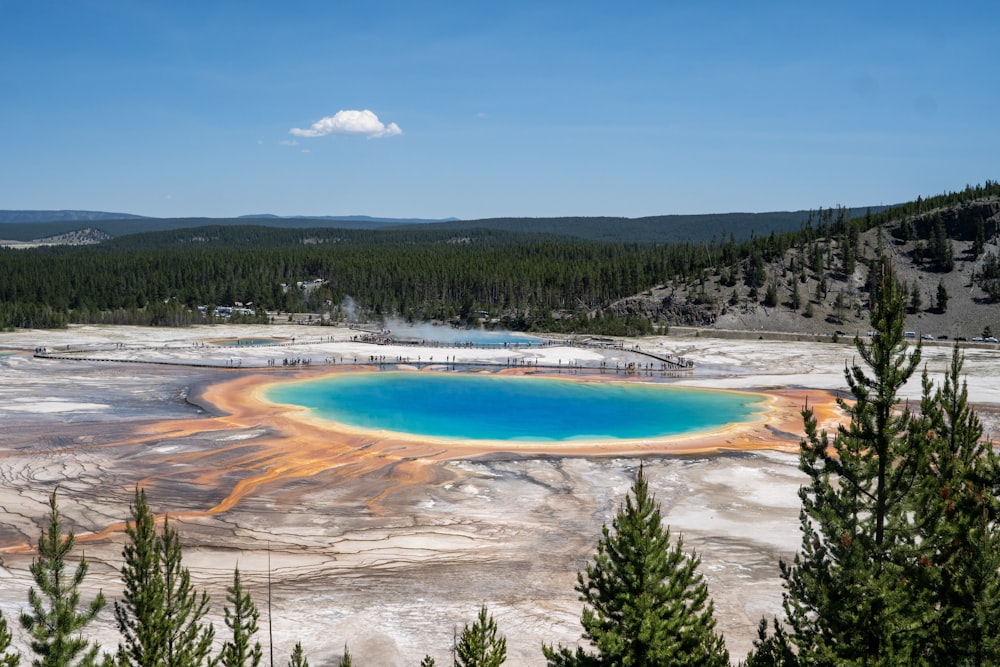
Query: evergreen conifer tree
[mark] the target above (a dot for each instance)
(980, 241)
(7, 658)
(771, 296)
(771, 650)
(427, 661)
(646, 603)
(188, 636)
(957, 511)
(942, 297)
(847, 596)
(915, 299)
(140, 612)
(55, 623)
(241, 619)
(481, 645)
(298, 658)
(160, 615)
(345, 660)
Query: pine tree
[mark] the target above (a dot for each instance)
(188, 637)
(54, 622)
(481, 645)
(980, 241)
(298, 658)
(942, 297)
(140, 612)
(241, 619)
(427, 661)
(345, 660)
(915, 301)
(846, 594)
(160, 615)
(646, 603)
(771, 650)
(957, 511)
(771, 296)
(7, 659)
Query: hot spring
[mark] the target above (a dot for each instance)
(240, 342)
(446, 335)
(497, 407)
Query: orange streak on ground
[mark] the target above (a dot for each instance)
(306, 447)
(292, 446)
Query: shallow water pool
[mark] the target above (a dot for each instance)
(494, 407)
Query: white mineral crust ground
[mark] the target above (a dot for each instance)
(393, 577)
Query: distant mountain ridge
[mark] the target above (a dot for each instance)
(63, 216)
(653, 229)
(345, 218)
(33, 216)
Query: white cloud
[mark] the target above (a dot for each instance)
(349, 121)
(289, 142)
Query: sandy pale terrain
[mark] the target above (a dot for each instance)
(387, 542)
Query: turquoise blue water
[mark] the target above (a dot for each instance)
(490, 407)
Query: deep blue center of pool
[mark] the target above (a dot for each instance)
(489, 407)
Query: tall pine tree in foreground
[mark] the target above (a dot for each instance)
(241, 619)
(55, 621)
(160, 616)
(188, 636)
(482, 645)
(140, 612)
(847, 595)
(7, 658)
(646, 603)
(956, 510)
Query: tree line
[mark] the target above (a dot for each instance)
(899, 562)
(524, 281)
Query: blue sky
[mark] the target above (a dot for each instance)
(474, 109)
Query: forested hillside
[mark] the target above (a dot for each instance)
(814, 278)
(35, 225)
(658, 228)
(945, 250)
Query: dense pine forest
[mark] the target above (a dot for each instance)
(514, 279)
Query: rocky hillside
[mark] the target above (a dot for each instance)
(818, 286)
(86, 236)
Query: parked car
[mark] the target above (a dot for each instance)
(990, 339)
(927, 337)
